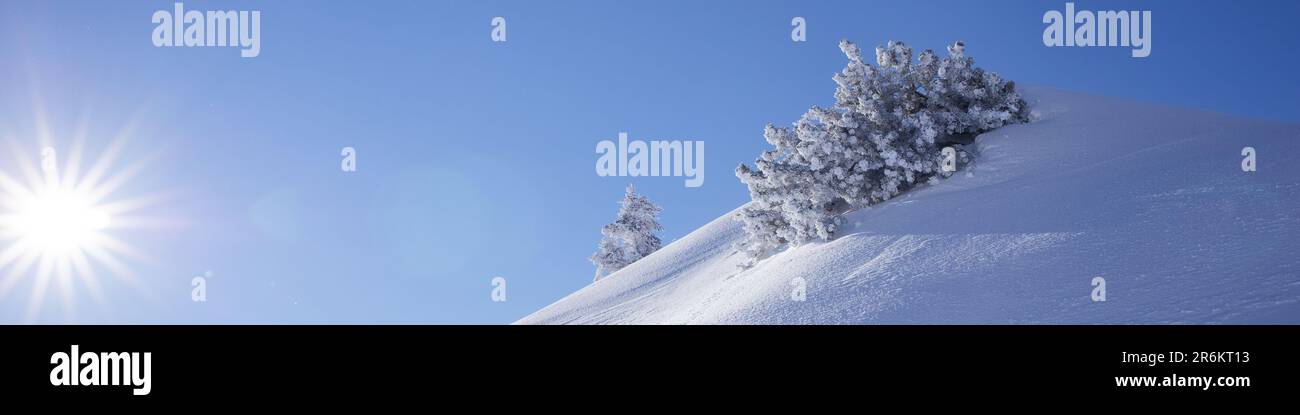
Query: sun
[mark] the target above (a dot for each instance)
(57, 221)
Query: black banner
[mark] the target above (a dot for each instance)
(467, 362)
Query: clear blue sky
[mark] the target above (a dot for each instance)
(476, 159)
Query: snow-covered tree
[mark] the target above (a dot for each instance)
(883, 136)
(630, 237)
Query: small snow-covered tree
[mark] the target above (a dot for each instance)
(630, 237)
(610, 256)
(883, 136)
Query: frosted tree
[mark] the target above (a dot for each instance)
(610, 256)
(630, 237)
(883, 136)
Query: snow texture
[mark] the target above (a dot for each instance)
(1151, 198)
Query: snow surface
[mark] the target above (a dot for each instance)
(1151, 198)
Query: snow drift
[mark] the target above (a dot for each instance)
(1152, 199)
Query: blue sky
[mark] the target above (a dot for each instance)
(476, 159)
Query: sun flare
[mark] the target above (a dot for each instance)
(58, 222)
(56, 225)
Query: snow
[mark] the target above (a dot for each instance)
(1151, 198)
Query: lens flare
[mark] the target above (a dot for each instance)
(56, 224)
(59, 221)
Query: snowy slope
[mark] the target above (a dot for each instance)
(1151, 198)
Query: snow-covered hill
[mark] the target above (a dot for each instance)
(1153, 199)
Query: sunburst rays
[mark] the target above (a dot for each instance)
(57, 221)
